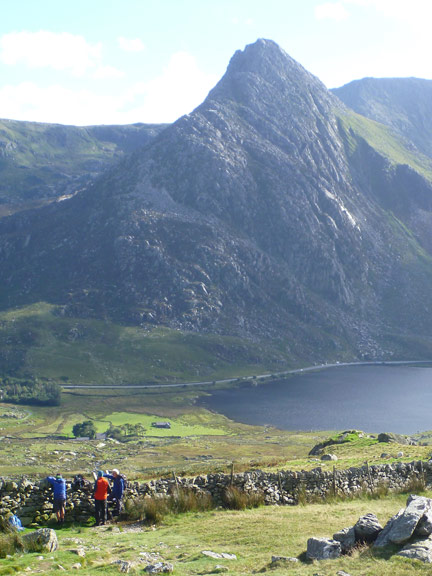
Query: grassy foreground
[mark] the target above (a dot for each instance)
(254, 536)
(35, 442)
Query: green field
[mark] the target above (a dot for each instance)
(179, 427)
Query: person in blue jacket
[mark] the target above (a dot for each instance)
(59, 487)
(118, 487)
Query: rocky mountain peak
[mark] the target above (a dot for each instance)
(257, 215)
(264, 73)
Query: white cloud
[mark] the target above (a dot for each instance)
(415, 11)
(107, 72)
(178, 90)
(331, 11)
(130, 44)
(44, 49)
(56, 104)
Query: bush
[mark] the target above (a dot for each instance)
(10, 542)
(236, 499)
(5, 525)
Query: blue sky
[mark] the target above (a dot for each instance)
(123, 61)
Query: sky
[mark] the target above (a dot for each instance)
(86, 62)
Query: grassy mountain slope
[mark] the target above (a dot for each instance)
(383, 140)
(39, 342)
(40, 162)
(403, 104)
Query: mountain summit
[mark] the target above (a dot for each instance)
(268, 213)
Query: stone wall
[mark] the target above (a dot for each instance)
(32, 501)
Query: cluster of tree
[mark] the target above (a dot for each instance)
(119, 432)
(84, 429)
(31, 391)
(87, 429)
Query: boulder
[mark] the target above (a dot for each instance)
(347, 539)
(329, 457)
(403, 527)
(383, 536)
(123, 565)
(219, 555)
(159, 568)
(42, 540)
(396, 438)
(367, 528)
(323, 549)
(420, 550)
(281, 560)
(424, 527)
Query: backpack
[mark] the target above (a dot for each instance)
(15, 523)
(125, 482)
(78, 482)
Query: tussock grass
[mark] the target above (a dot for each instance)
(10, 542)
(153, 509)
(234, 498)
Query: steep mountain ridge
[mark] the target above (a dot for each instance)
(262, 214)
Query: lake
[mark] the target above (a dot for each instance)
(369, 398)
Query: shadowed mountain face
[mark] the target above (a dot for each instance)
(262, 214)
(404, 104)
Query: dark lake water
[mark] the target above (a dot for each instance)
(369, 398)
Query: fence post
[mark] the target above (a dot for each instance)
(371, 486)
(176, 483)
(334, 480)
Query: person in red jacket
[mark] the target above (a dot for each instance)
(100, 494)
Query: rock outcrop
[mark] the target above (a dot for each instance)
(42, 540)
(322, 549)
(400, 529)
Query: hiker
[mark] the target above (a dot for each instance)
(59, 487)
(118, 487)
(100, 494)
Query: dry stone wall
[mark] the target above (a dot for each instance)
(32, 500)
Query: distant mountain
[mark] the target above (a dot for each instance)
(272, 213)
(404, 104)
(41, 162)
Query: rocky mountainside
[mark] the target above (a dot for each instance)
(265, 214)
(404, 104)
(42, 162)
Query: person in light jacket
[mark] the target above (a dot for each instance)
(118, 487)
